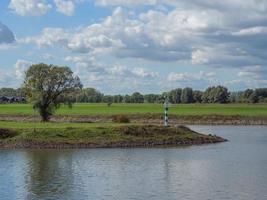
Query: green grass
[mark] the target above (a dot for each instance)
(53, 125)
(181, 109)
(92, 133)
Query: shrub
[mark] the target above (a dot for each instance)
(7, 133)
(120, 119)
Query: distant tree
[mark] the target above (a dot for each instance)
(137, 98)
(8, 92)
(187, 95)
(218, 94)
(234, 97)
(259, 95)
(117, 98)
(175, 96)
(248, 96)
(127, 99)
(152, 98)
(47, 86)
(88, 95)
(108, 99)
(197, 95)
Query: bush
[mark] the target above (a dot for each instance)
(6, 133)
(120, 119)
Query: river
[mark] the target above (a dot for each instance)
(233, 170)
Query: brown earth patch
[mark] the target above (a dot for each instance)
(150, 119)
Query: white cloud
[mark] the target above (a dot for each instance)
(199, 57)
(184, 33)
(113, 78)
(255, 72)
(250, 77)
(191, 76)
(191, 35)
(13, 76)
(20, 67)
(30, 7)
(141, 72)
(125, 2)
(147, 37)
(195, 80)
(49, 38)
(251, 31)
(67, 7)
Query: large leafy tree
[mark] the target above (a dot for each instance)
(48, 86)
(218, 94)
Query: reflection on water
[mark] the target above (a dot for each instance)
(232, 170)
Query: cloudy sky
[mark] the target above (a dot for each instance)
(122, 46)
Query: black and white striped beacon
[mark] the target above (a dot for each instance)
(166, 109)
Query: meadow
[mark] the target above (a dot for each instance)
(180, 109)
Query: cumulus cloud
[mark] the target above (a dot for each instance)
(6, 35)
(125, 2)
(13, 76)
(251, 31)
(67, 7)
(30, 7)
(202, 36)
(196, 80)
(113, 78)
(50, 37)
(249, 77)
(20, 67)
(255, 5)
(208, 33)
(182, 77)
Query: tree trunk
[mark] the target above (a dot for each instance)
(44, 113)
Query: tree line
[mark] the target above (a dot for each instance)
(47, 87)
(214, 94)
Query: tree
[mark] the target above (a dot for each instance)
(137, 98)
(187, 95)
(108, 99)
(117, 98)
(175, 96)
(127, 99)
(48, 86)
(197, 96)
(88, 95)
(217, 94)
(152, 98)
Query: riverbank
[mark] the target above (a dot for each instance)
(148, 118)
(107, 136)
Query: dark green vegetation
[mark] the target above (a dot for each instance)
(129, 109)
(217, 94)
(48, 86)
(75, 135)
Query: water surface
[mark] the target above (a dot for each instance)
(234, 170)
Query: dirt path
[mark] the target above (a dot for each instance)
(150, 119)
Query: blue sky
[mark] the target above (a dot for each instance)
(122, 46)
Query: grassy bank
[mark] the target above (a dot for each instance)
(77, 135)
(129, 109)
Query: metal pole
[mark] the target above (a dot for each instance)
(166, 109)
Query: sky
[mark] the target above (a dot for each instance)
(123, 46)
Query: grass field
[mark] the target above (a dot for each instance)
(181, 109)
(80, 135)
(53, 125)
